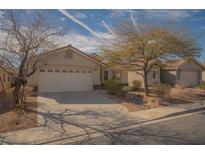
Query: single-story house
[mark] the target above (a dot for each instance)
(203, 73)
(187, 72)
(5, 80)
(69, 69)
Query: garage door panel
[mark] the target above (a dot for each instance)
(62, 82)
(189, 78)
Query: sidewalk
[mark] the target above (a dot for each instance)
(46, 134)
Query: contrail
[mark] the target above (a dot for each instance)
(132, 18)
(108, 28)
(68, 15)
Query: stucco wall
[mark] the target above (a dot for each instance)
(123, 73)
(6, 83)
(67, 60)
(190, 67)
(203, 76)
(134, 76)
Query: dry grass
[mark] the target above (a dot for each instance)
(178, 95)
(186, 95)
(8, 118)
(9, 121)
(149, 102)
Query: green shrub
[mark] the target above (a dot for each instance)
(162, 90)
(111, 86)
(136, 84)
(202, 85)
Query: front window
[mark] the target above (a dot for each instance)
(116, 75)
(105, 75)
(42, 70)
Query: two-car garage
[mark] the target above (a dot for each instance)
(66, 69)
(63, 80)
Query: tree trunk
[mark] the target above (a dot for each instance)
(2, 85)
(146, 90)
(17, 95)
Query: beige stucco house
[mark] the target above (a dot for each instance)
(189, 72)
(153, 76)
(69, 69)
(5, 80)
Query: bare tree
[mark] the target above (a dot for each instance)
(142, 46)
(24, 35)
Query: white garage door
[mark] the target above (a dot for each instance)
(65, 80)
(189, 78)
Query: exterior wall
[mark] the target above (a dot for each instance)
(203, 76)
(191, 68)
(6, 83)
(134, 76)
(190, 65)
(67, 59)
(123, 74)
(168, 76)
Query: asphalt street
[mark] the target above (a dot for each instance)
(184, 130)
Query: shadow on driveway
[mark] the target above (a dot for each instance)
(88, 97)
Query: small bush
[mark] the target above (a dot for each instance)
(126, 89)
(201, 85)
(162, 90)
(111, 86)
(136, 84)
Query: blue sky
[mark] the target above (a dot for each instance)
(86, 26)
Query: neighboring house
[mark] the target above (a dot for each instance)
(182, 72)
(69, 69)
(5, 80)
(203, 73)
(153, 76)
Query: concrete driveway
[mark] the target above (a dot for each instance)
(79, 112)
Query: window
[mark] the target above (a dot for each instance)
(8, 78)
(64, 71)
(83, 71)
(116, 75)
(70, 71)
(105, 75)
(50, 70)
(154, 74)
(57, 71)
(42, 70)
(89, 71)
(77, 71)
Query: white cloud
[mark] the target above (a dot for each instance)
(1, 14)
(85, 43)
(167, 14)
(80, 15)
(157, 13)
(82, 24)
(62, 18)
